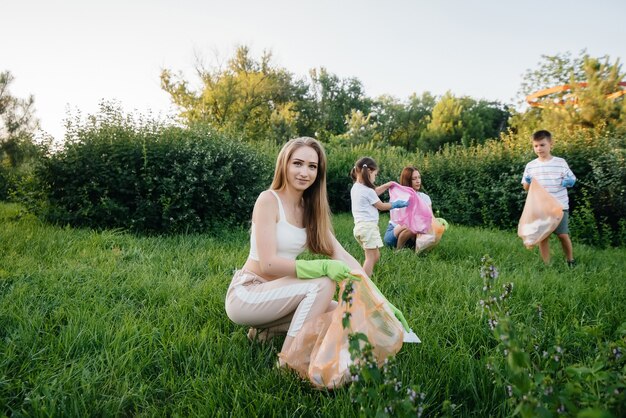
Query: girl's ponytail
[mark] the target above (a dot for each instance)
(363, 166)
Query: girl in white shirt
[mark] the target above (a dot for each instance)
(365, 206)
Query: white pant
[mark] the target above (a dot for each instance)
(281, 304)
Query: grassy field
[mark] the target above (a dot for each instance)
(111, 324)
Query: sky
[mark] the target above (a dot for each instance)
(71, 55)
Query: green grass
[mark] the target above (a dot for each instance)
(109, 324)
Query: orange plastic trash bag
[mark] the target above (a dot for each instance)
(540, 217)
(319, 352)
(430, 239)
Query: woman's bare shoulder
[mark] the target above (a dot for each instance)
(265, 204)
(266, 197)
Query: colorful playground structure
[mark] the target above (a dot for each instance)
(540, 98)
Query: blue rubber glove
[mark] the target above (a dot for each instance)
(568, 181)
(396, 204)
(528, 179)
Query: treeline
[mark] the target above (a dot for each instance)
(258, 101)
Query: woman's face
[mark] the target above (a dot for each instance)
(416, 180)
(302, 168)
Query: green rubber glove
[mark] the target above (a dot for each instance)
(396, 312)
(312, 269)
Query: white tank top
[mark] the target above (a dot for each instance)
(290, 240)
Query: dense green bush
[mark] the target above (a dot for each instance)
(16, 181)
(152, 179)
(5, 182)
(476, 186)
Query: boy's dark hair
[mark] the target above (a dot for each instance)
(364, 166)
(541, 135)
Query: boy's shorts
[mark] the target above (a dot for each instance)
(563, 226)
(367, 235)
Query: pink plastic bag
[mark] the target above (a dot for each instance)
(541, 215)
(417, 216)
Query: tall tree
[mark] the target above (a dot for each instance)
(17, 124)
(445, 125)
(250, 97)
(402, 123)
(552, 70)
(482, 120)
(590, 107)
(336, 100)
(587, 104)
(463, 120)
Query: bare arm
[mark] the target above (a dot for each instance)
(383, 188)
(382, 205)
(339, 253)
(265, 216)
(525, 175)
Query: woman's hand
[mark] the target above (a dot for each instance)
(312, 269)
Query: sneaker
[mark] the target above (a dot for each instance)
(255, 334)
(260, 335)
(571, 263)
(280, 364)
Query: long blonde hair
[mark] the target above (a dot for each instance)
(316, 210)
